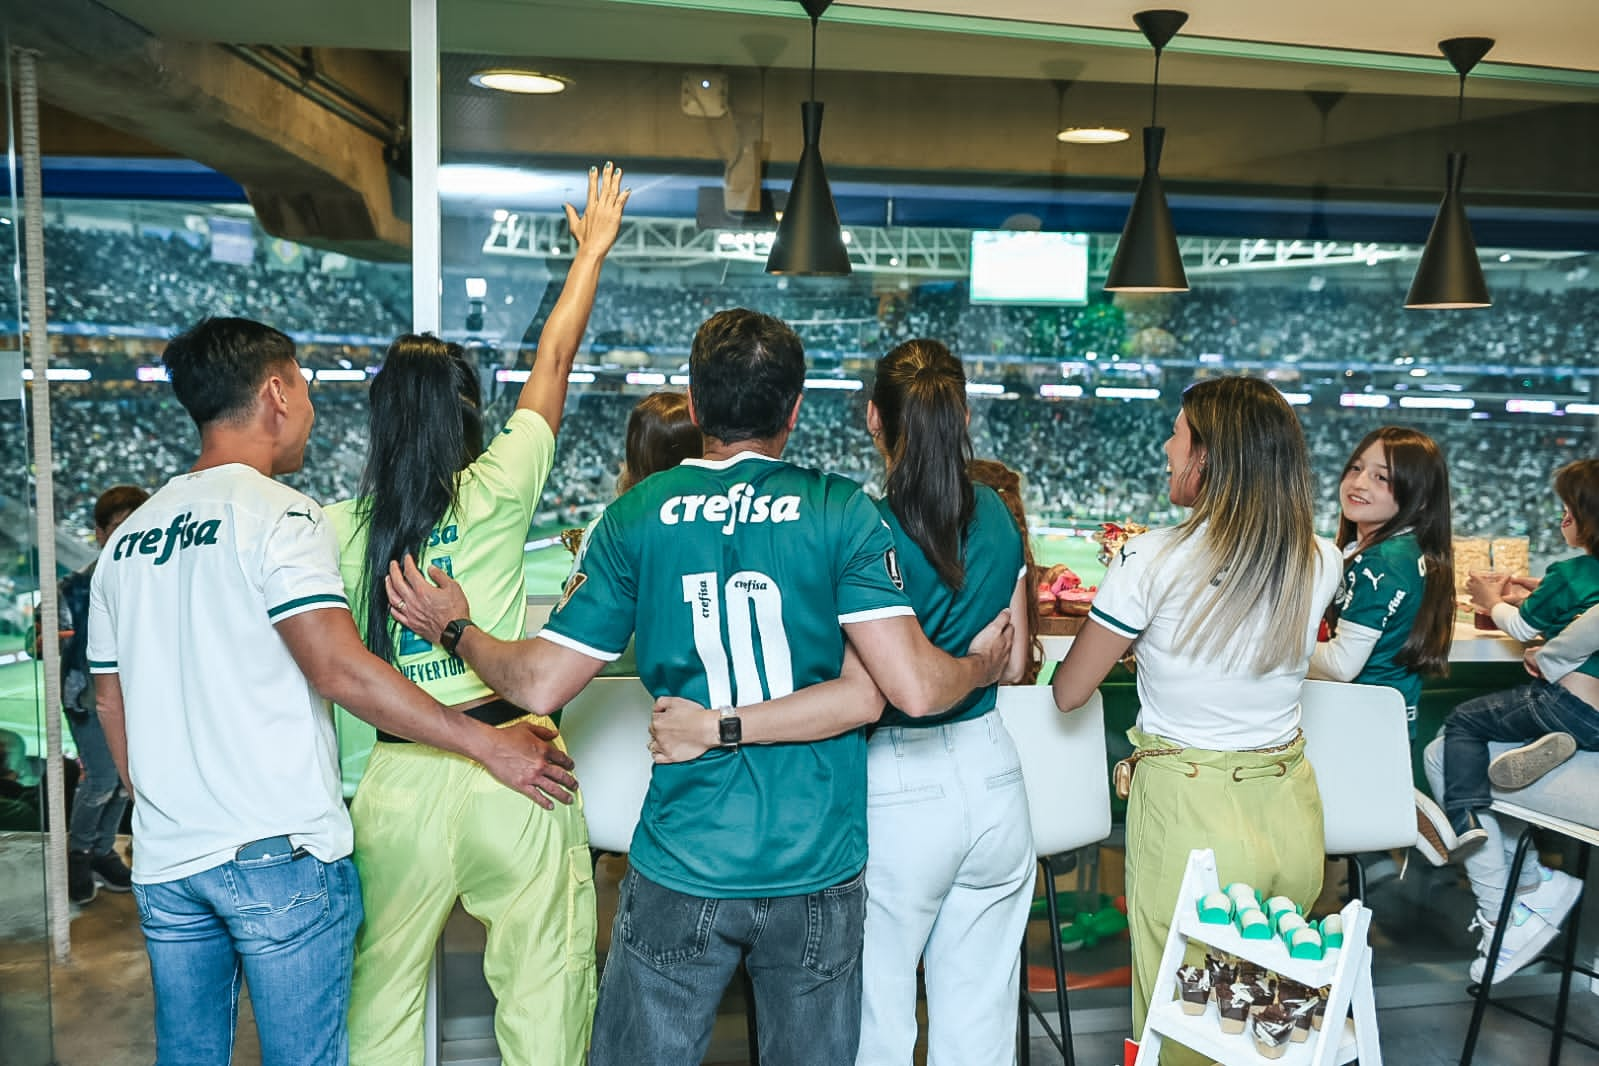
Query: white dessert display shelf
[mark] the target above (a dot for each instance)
(1349, 1030)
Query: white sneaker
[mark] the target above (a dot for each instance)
(1554, 897)
(1528, 935)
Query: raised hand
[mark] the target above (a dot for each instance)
(596, 229)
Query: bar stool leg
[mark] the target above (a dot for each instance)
(1058, 957)
(1567, 962)
(1024, 1031)
(1489, 964)
(1356, 873)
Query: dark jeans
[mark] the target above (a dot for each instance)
(1517, 716)
(99, 802)
(672, 956)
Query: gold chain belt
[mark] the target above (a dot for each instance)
(1122, 774)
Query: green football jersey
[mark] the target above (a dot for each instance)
(994, 562)
(1568, 588)
(734, 577)
(1382, 590)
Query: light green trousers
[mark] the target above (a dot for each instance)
(432, 827)
(1260, 814)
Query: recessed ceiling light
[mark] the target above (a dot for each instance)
(1091, 135)
(526, 82)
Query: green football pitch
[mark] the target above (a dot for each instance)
(546, 568)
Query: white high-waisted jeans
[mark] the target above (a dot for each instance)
(949, 878)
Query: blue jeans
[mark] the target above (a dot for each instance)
(98, 804)
(1518, 716)
(288, 923)
(672, 955)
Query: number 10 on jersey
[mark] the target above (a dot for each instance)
(746, 593)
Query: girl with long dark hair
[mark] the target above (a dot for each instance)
(1394, 617)
(430, 827)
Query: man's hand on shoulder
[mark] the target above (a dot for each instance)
(422, 607)
(991, 647)
(525, 758)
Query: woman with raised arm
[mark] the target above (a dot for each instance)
(430, 827)
(1222, 611)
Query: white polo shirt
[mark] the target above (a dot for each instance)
(227, 740)
(1202, 702)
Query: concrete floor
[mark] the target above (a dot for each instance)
(102, 1004)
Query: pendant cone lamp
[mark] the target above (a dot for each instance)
(809, 239)
(1147, 257)
(1450, 274)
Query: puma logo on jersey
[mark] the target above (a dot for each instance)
(300, 514)
(180, 533)
(1375, 579)
(739, 507)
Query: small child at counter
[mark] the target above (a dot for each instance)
(1550, 721)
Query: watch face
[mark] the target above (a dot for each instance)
(731, 730)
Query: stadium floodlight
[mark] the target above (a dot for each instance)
(836, 384)
(515, 377)
(1582, 408)
(1522, 406)
(1147, 256)
(984, 388)
(477, 288)
(1297, 399)
(1449, 275)
(1070, 392)
(645, 377)
(809, 239)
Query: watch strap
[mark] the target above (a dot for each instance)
(454, 630)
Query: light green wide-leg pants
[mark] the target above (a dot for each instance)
(1260, 813)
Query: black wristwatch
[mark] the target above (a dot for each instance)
(451, 636)
(729, 728)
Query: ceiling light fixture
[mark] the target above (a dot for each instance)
(1147, 257)
(809, 239)
(522, 82)
(1449, 275)
(1092, 135)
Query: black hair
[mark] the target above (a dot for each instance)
(920, 395)
(1418, 477)
(1008, 483)
(660, 435)
(217, 365)
(426, 426)
(745, 372)
(1577, 485)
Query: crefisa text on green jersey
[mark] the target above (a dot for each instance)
(740, 506)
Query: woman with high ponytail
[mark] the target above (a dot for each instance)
(430, 827)
(950, 865)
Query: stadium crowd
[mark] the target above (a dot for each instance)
(1084, 460)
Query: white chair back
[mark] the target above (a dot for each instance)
(1358, 741)
(1063, 766)
(607, 731)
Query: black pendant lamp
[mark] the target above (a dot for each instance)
(1450, 275)
(1147, 257)
(809, 239)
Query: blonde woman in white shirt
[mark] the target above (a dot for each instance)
(1221, 611)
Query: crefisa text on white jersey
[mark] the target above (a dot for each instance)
(739, 506)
